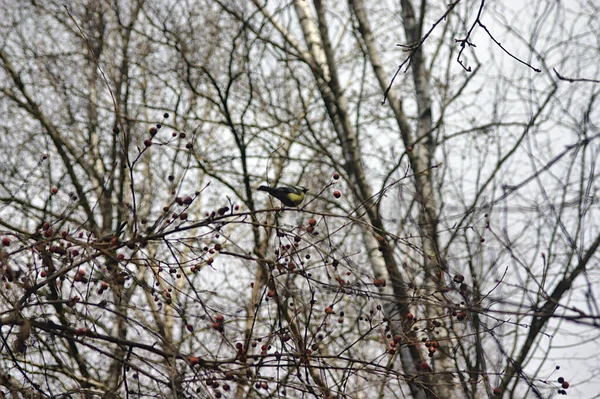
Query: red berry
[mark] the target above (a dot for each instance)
(5, 241)
(379, 282)
(336, 176)
(410, 316)
(497, 391)
(153, 131)
(409, 148)
(312, 221)
(54, 190)
(337, 194)
(193, 361)
(565, 384)
(148, 142)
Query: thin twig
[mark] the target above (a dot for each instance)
(415, 46)
(573, 80)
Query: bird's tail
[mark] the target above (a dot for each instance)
(267, 189)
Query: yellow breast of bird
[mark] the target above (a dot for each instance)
(295, 197)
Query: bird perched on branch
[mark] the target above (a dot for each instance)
(288, 195)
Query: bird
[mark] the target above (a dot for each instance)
(288, 195)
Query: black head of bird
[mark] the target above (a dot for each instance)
(288, 195)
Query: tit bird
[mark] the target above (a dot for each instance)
(288, 195)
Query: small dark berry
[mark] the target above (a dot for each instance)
(223, 210)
